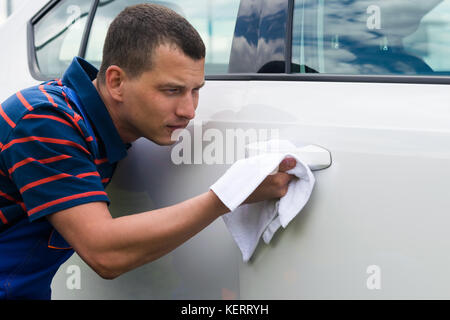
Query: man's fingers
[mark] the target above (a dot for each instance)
(287, 164)
(281, 183)
(282, 179)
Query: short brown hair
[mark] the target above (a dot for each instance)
(138, 30)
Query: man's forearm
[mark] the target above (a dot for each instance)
(131, 241)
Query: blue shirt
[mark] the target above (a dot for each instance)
(59, 149)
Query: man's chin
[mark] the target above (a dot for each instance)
(167, 139)
(168, 143)
(164, 142)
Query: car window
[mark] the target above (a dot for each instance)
(58, 35)
(214, 20)
(371, 37)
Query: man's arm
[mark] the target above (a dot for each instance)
(112, 246)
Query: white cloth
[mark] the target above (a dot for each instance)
(248, 222)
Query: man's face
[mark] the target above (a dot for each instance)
(165, 98)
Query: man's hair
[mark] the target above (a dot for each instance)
(138, 30)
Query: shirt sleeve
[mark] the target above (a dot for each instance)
(51, 164)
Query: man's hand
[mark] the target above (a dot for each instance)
(276, 185)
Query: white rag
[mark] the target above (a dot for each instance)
(248, 222)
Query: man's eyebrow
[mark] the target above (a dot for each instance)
(178, 86)
(172, 85)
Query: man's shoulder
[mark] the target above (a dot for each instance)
(44, 101)
(48, 96)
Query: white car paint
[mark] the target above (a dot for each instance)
(14, 71)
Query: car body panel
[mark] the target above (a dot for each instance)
(15, 73)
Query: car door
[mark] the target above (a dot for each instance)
(369, 82)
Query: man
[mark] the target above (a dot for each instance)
(60, 142)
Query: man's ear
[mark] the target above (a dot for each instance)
(114, 81)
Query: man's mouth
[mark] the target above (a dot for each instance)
(174, 127)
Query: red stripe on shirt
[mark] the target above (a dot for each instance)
(45, 180)
(100, 161)
(55, 178)
(22, 205)
(3, 218)
(66, 99)
(7, 119)
(43, 116)
(106, 180)
(24, 101)
(65, 199)
(47, 140)
(43, 161)
(75, 120)
(49, 98)
(8, 197)
(88, 174)
(78, 118)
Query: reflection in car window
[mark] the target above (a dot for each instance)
(57, 36)
(405, 37)
(214, 20)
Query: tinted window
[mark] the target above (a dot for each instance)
(371, 37)
(214, 20)
(58, 34)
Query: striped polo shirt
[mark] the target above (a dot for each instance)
(58, 149)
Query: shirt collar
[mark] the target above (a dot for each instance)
(79, 77)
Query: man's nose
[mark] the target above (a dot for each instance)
(186, 107)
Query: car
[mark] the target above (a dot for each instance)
(367, 82)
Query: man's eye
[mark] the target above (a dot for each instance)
(172, 91)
